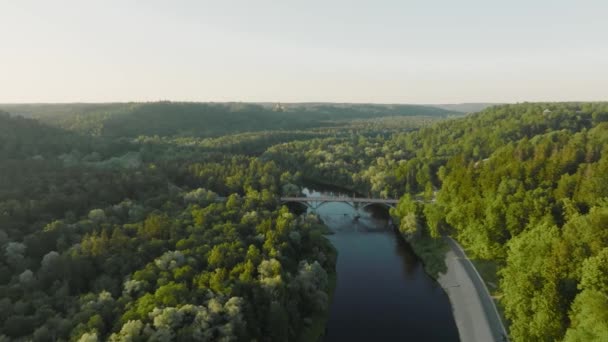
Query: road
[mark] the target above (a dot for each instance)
(474, 311)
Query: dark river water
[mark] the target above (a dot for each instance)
(382, 292)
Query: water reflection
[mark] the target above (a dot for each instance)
(382, 293)
(411, 263)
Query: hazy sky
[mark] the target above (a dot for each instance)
(299, 51)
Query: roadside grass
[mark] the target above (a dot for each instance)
(432, 254)
(488, 270)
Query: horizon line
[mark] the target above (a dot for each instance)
(297, 102)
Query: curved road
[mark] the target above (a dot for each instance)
(474, 311)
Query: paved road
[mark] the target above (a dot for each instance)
(474, 311)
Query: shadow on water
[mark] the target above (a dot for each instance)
(382, 292)
(411, 262)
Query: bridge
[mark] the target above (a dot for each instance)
(356, 202)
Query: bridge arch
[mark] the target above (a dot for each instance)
(387, 205)
(317, 204)
(355, 202)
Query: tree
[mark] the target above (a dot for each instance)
(270, 273)
(88, 337)
(97, 215)
(531, 298)
(171, 294)
(131, 331)
(156, 226)
(589, 312)
(277, 323)
(14, 253)
(589, 317)
(434, 218)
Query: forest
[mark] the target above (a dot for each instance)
(523, 186)
(188, 119)
(162, 221)
(107, 240)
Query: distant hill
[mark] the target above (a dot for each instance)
(338, 111)
(205, 119)
(466, 107)
(28, 138)
(25, 137)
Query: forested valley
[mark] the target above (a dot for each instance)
(162, 222)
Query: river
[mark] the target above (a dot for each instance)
(382, 291)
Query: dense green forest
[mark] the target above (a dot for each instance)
(113, 241)
(524, 186)
(206, 119)
(156, 222)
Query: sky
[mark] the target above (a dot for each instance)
(380, 51)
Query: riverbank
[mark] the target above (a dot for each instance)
(474, 311)
(430, 251)
(383, 292)
(316, 331)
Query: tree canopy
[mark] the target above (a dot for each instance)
(122, 222)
